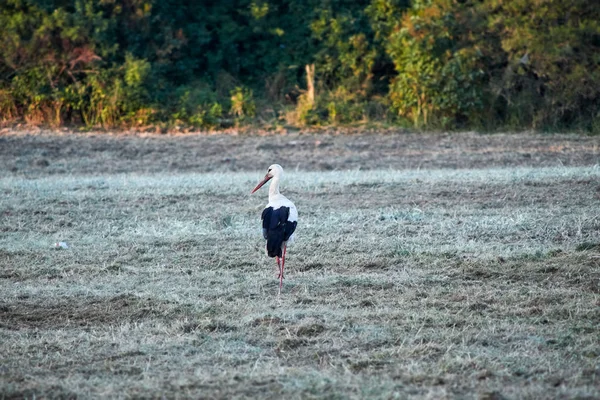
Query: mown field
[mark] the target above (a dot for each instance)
(420, 270)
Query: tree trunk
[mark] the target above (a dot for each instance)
(310, 83)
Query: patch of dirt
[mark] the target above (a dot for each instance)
(310, 330)
(78, 312)
(49, 152)
(267, 320)
(218, 326)
(309, 266)
(291, 343)
(366, 304)
(370, 265)
(358, 366)
(52, 392)
(488, 196)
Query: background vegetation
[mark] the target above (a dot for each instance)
(426, 63)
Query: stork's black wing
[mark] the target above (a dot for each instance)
(277, 229)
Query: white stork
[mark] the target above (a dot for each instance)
(279, 219)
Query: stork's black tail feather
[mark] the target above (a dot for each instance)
(275, 243)
(277, 229)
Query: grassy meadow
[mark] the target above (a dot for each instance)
(425, 282)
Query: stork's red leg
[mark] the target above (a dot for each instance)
(279, 276)
(283, 259)
(281, 270)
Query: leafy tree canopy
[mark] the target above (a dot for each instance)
(428, 63)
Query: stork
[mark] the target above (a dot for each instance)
(279, 219)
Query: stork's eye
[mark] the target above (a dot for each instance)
(269, 170)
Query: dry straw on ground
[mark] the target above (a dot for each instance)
(409, 283)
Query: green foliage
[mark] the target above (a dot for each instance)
(304, 114)
(346, 55)
(440, 75)
(8, 109)
(552, 52)
(343, 106)
(198, 106)
(242, 103)
(436, 63)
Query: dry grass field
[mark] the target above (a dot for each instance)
(425, 266)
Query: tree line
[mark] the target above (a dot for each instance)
(431, 64)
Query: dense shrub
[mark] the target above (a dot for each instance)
(440, 71)
(551, 51)
(430, 63)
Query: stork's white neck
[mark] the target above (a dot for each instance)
(274, 188)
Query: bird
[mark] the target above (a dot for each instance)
(279, 219)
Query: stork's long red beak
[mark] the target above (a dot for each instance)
(267, 178)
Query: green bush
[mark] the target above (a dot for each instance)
(440, 75)
(550, 49)
(242, 103)
(198, 106)
(436, 63)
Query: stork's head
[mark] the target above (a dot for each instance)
(275, 171)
